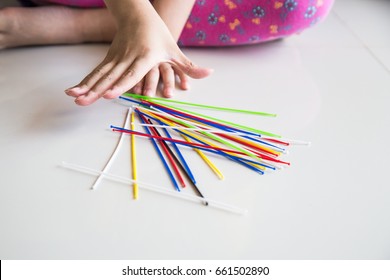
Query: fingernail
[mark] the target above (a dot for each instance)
(147, 92)
(186, 86)
(80, 98)
(72, 88)
(168, 92)
(82, 101)
(68, 90)
(109, 94)
(114, 90)
(137, 89)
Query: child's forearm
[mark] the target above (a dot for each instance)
(174, 13)
(130, 11)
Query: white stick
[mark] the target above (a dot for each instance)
(158, 189)
(113, 155)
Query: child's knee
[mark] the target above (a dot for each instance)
(298, 15)
(233, 22)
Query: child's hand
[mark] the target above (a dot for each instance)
(140, 47)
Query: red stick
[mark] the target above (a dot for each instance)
(276, 141)
(235, 139)
(168, 155)
(265, 157)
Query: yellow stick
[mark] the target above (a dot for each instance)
(206, 160)
(134, 158)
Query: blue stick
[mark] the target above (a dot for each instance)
(179, 154)
(161, 156)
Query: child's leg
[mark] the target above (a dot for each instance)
(237, 22)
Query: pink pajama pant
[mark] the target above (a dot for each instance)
(238, 22)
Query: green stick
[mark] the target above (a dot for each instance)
(200, 105)
(223, 121)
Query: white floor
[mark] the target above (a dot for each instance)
(330, 86)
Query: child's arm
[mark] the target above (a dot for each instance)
(142, 42)
(175, 19)
(174, 13)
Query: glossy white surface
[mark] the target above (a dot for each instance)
(330, 85)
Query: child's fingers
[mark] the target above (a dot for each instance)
(189, 68)
(130, 77)
(75, 91)
(168, 79)
(137, 89)
(184, 85)
(151, 82)
(102, 85)
(89, 81)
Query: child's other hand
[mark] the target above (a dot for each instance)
(141, 51)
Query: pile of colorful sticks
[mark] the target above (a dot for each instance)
(249, 147)
(170, 127)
